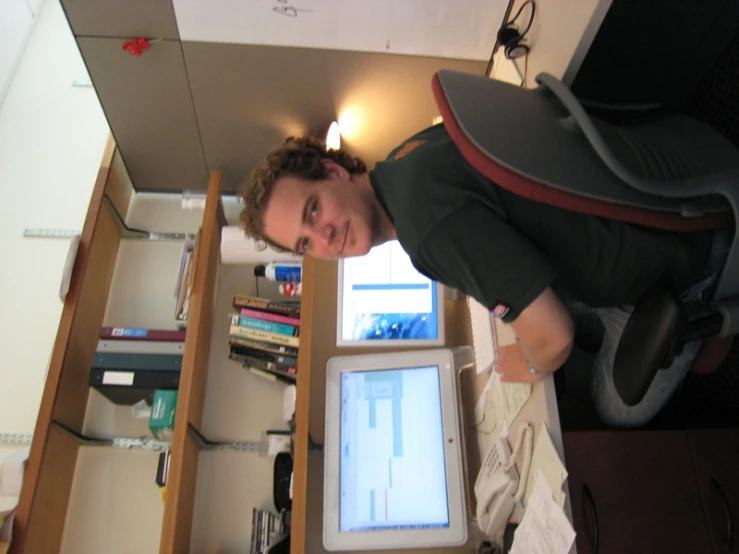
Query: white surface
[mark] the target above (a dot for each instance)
(115, 506)
(35, 5)
(74, 244)
(52, 138)
(456, 532)
(11, 472)
(118, 378)
(483, 336)
(16, 23)
(415, 27)
(545, 528)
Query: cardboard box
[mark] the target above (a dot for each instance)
(163, 410)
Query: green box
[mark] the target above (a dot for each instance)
(163, 410)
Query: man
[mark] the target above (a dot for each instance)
(537, 267)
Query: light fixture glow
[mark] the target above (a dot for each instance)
(348, 124)
(333, 137)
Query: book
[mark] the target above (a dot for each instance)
(270, 347)
(263, 354)
(270, 326)
(265, 305)
(264, 365)
(238, 331)
(142, 333)
(268, 316)
(141, 346)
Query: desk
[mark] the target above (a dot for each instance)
(318, 344)
(559, 38)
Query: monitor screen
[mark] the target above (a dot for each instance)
(382, 297)
(392, 460)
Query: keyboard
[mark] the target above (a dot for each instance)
(483, 336)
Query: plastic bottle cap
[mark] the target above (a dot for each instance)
(260, 271)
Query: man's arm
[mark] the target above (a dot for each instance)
(545, 332)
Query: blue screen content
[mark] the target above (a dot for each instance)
(385, 298)
(392, 467)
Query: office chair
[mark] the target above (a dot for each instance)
(666, 171)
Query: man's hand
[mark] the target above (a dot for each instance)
(545, 332)
(512, 366)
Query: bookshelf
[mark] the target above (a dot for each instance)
(71, 484)
(67, 407)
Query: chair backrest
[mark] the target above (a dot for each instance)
(527, 141)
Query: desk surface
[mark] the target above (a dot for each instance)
(321, 280)
(559, 38)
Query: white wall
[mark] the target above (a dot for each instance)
(52, 137)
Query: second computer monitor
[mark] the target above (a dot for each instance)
(383, 301)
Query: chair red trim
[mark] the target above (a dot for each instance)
(539, 192)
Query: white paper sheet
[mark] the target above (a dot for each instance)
(513, 396)
(546, 462)
(545, 528)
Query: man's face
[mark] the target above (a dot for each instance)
(336, 217)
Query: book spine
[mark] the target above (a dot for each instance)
(265, 305)
(141, 346)
(264, 355)
(270, 326)
(277, 318)
(256, 334)
(265, 365)
(140, 333)
(279, 349)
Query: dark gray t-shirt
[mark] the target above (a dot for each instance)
(462, 230)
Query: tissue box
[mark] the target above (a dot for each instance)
(163, 409)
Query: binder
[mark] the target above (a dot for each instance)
(131, 386)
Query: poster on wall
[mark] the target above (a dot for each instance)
(462, 29)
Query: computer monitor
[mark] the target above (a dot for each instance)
(383, 300)
(393, 473)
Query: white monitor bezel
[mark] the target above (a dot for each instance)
(457, 533)
(385, 343)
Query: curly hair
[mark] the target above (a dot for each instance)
(299, 157)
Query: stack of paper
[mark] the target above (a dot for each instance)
(545, 528)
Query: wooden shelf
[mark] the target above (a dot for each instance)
(178, 511)
(302, 412)
(50, 472)
(44, 498)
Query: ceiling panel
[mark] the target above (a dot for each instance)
(249, 98)
(116, 18)
(150, 112)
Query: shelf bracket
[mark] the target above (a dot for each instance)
(125, 231)
(243, 446)
(139, 234)
(16, 439)
(128, 443)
